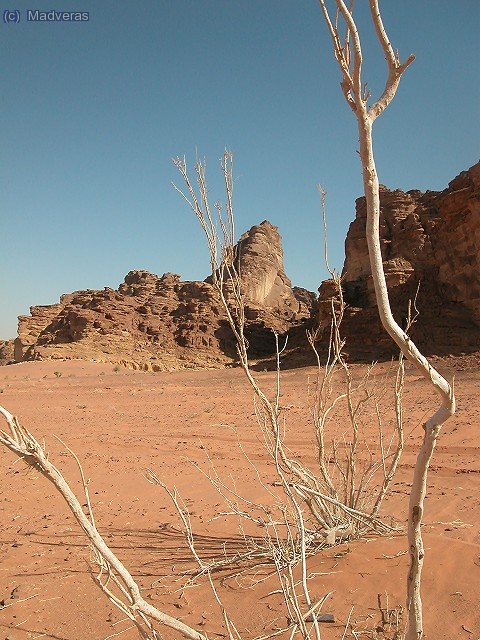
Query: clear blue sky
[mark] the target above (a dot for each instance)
(93, 112)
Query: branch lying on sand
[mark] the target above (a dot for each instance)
(112, 574)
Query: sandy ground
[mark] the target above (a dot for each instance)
(120, 423)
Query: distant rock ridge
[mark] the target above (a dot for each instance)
(429, 240)
(164, 323)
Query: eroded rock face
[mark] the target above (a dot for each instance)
(458, 240)
(269, 297)
(260, 264)
(163, 323)
(429, 240)
(6, 352)
(150, 322)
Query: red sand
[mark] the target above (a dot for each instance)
(121, 423)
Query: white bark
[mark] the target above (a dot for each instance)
(349, 56)
(23, 444)
(410, 351)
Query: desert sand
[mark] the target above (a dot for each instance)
(122, 422)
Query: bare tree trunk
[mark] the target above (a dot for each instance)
(348, 54)
(410, 351)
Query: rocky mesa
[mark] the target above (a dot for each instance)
(431, 247)
(431, 251)
(163, 323)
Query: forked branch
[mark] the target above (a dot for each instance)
(365, 118)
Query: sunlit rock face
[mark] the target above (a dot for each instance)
(164, 323)
(431, 244)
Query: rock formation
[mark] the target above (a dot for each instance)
(162, 323)
(268, 291)
(6, 352)
(430, 241)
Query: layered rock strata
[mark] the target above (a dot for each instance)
(163, 323)
(430, 243)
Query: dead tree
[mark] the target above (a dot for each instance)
(348, 54)
(339, 493)
(113, 578)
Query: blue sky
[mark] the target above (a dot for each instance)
(93, 112)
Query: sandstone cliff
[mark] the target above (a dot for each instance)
(6, 352)
(162, 323)
(268, 291)
(429, 240)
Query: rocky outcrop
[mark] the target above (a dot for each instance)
(148, 323)
(430, 242)
(30, 327)
(260, 265)
(458, 241)
(6, 352)
(163, 323)
(270, 300)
